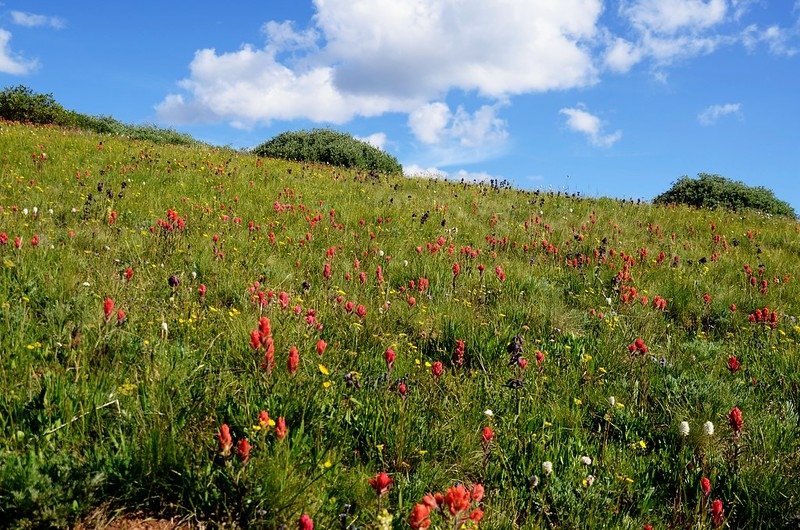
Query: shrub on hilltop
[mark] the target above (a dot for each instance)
(329, 147)
(715, 191)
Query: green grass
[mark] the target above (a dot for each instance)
(97, 415)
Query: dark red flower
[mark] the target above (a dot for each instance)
(717, 512)
(305, 523)
(389, 355)
(437, 368)
(705, 485)
(733, 364)
(243, 450)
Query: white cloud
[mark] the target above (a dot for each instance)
(622, 55)
(580, 120)
(31, 20)
(413, 170)
(10, 62)
(369, 58)
(376, 140)
(669, 17)
(777, 39)
(459, 137)
(711, 114)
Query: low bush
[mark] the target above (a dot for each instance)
(715, 191)
(328, 147)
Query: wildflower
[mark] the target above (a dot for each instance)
(733, 364)
(457, 499)
(588, 481)
(489, 412)
(456, 269)
(539, 357)
(586, 460)
(522, 362)
(255, 339)
(381, 483)
(305, 523)
(201, 290)
(476, 515)
(128, 274)
(735, 420)
(547, 467)
(647, 526)
(108, 307)
(412, 301)
(683, 428)
(225, 440)
(280, 428)
(389, 355)
(477, 492)
(263, 420)
(402, 389)
(717, 512)
(437, 368)
(487, 435)
(612, 401)
(419, 518)
(361, 311)
(294, 360)
(708, 428)
(638, 346)
(706, 298)
(243, 450)
(120, 316)
(321, 346)
(264, 327)
(705, 485)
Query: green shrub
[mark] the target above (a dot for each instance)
(328, 147)
(20, 103)
(715, 191)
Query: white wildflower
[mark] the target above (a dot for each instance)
(708, 428)
(683, 428)
(547, 467)
(586, 460)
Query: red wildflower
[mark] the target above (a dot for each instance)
(705, 485)
(201, 290)
(280, 428)
(361, 311)
(522, 362)
(732, 308)
(717, 512)
(108, 307)
(647, 526)
(477, 492)
(294, 360)
(412, 301)
(487, 435)
(35, 240)
(255, 339)
(243, 450)
(326, 271)
(321, 346)
(305, 523)
(456, 269)
(476, 515)
(264, 327)
(437, 368)
(389, 355)
(381, 483)
(539, 358)
(419, 518)
(225, 440)
(348, 306)
(402, 389)
(735, 420)
(638, 346)
(457, 499)
(430, 501)
(128, 273)
(263, 419)
(120, 316)
(706, 298)
(733, 364)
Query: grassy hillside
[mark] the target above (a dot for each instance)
(449, 335)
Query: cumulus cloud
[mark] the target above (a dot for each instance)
(459, 137)
(414, 170)
(31, 20)
(582, 121)
(710, 115)
(376, 140)
(10, 62)
(672, 16)
(392, 57)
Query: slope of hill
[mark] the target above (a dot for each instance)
(195, 332)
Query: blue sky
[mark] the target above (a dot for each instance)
(616, 98)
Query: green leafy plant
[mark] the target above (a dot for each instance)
(328, 147)
(715, 191)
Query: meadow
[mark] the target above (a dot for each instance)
(196, 332)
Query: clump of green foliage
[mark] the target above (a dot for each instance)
(22, 104)
(329, 147)
(715, 191)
